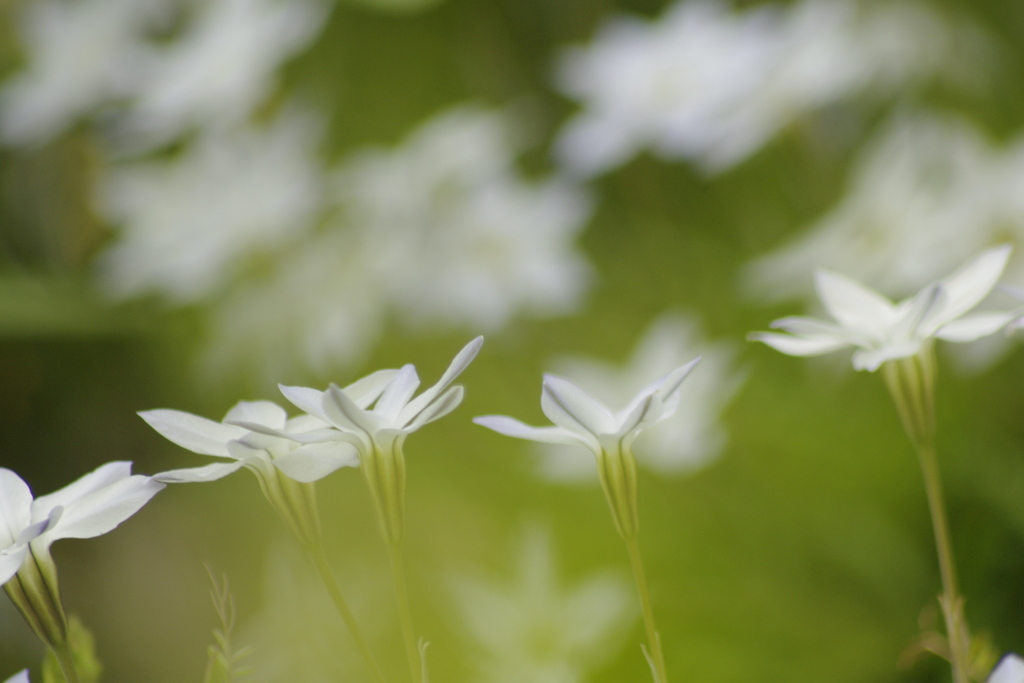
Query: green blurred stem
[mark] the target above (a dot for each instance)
(412, 651)
(327, 576)
(66, 661)
(911, 382)
(655, 656)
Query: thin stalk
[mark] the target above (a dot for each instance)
(327, 576)
(412, 650)
(656, 658)
(66, 661)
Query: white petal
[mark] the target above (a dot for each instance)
(672, 381)
(192, 432)
(103, 509)
(265, 413)
(99, 479)
(799, 346)
(365, 391)
(514, 428)
(646, 410)
(976, 326)
(10, 562)
(315, 461)
(446, 403)
(851, 303)
(872, 359)
(397, 394)
(304, 423)
(1010, 670)
(199, 474)
(304, 398)
(15, 507)
(461, 361)
(973, 281)
(346, 415)
(809, 327)
(21, 676)
(570, 407)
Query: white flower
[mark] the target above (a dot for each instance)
(187, 225)
(457, 236)
(91, 506)
(531, 627)
(694, 435)
(81, 55)
(883, 331)
(253, 435)
(584, 421)
(221, 68)
(928, 185)
(378, 433)
(1010, 670)
(20, 677)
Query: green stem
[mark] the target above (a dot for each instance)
(66, 661)
(327, 576)
(657, 659)
(404, 612)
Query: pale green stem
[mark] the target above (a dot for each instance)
(66, 661)
(327, 576)
(656, 657)
(412, 650)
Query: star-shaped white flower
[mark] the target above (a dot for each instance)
(254, 434)
(884, 331)
(1010, 670)
(582, 420)
(90, 506)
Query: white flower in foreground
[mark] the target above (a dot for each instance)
(459, 237)
(883, 331)
(187, 225)
(532, 627)
(91, 506)
(378, 433)
(584, 421)
(20, 677)
(1010, 670)
(694, 435)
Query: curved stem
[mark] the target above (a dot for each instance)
(412, 651)
(66, 661)
(327, 576)
(655, 657)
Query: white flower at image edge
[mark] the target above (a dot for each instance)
(241, 446)
(90, 506)
(1010, 670)
(883, 331)
(20, 677)
(582, 420)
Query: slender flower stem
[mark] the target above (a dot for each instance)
(66, 661)
(656, 658)
(327, 576)
(412, 650)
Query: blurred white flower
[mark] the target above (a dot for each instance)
(457, 236)
(883, 331)
(671, 447)
(1010, 670)
(81, 54)
(20, 677)
(187, 225)
(222, 67)
(91, 506)
(928, 191)
(327, 311)
(713, 86)
(533, 628)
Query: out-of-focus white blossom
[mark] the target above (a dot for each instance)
(1010, 670)
(456, 235)
(20, 677)
(930, 190)
(222, 67)
(694, 435)
(710, 85)
(81, 54)
(187, 225)
(533, 628)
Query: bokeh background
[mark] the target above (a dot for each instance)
(202, 198)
